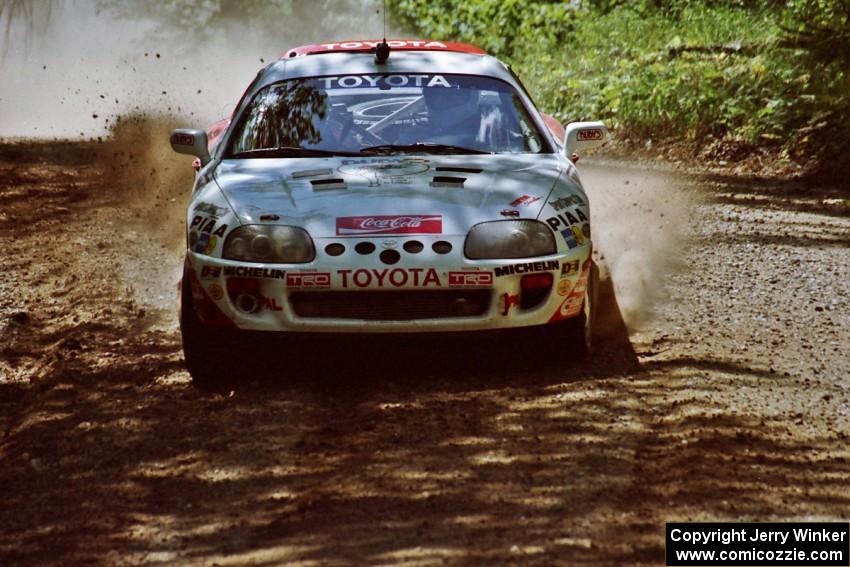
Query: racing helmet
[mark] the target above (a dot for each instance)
(455, 100)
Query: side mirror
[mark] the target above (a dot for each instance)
(583, 136)
(191, 141)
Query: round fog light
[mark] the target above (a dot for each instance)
(247, 303)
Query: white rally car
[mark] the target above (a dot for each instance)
(406, 186)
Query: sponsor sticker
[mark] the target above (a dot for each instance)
(569, 238)
(389, 224)
(202, 243)
(507, 301)
(269, 304)
(579, 235)
(564, 287)
(568, 201)
(397, 277)
(210, 272)
(393, 43)
(183, 139)
(572, 304)
(589, 135)
(383, 81)
(470, 279)
(565, 219)
(308, 280)
(527, 268)
(569, 268)
(525, 200)
(250, 272)
(215, 291)
(210, 209)
(206, 225)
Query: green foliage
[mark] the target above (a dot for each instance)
(769, 72)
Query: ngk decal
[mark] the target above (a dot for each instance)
(397, 277)
(309, 280)
(470, 279)
(413, 224)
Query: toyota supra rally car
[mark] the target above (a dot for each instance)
(401, 186)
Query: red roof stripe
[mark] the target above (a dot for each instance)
(395, 44)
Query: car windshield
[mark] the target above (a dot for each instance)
(394, 113)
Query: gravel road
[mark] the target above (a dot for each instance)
(720, 391)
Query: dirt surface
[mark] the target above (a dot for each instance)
(729, 399)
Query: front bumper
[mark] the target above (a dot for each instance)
(422, 292)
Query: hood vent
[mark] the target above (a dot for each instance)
(311, 173)
(449, 168)
(327, 184)
(446, 181)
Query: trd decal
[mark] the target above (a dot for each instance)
(308, 280)
(590, 134)
(470, 279)
(182, 139)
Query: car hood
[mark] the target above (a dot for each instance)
(332, 196)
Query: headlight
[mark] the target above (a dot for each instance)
(509, 239)
(269, 244)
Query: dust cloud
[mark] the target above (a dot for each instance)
(123, 74)
(70, 68)
(639, 221)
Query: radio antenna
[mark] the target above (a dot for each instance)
(382, 50)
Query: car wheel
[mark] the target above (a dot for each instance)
(579, 329)
(203, 345)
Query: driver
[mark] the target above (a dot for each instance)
(453, 116)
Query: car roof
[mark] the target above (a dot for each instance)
(360, 62)
(395, 44)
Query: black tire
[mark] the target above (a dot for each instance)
(204, 347)
(579, 329)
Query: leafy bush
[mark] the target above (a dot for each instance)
(762, 73)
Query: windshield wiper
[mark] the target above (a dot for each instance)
(420, 147)
(288, 151)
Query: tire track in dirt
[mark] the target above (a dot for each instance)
(403, 451)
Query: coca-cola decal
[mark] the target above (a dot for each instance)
(389, 224)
